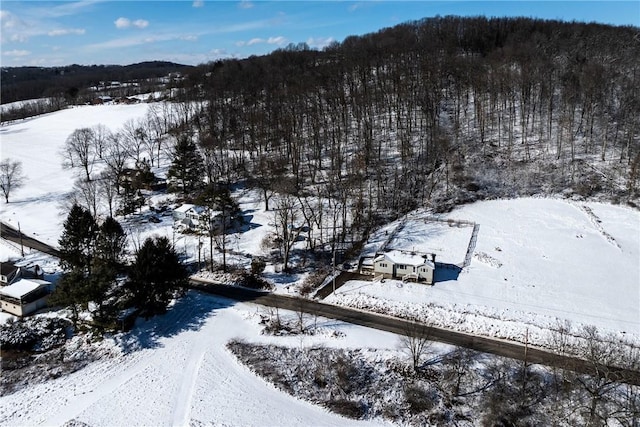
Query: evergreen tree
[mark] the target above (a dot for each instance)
(70, 293)
(110, 248)
(77, 246)
(91, 257)
(155, 276)
(132, 199)
(187, 168)
(78, 240)
(110, 244)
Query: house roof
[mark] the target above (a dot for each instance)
(188, 207)
(6, 268)
(406, 258)
(23, 287)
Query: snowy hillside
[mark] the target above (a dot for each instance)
(37, 143)
(175, 370)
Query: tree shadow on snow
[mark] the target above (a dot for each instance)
(189, 313)
(247, 224)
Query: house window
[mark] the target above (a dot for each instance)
(383, 264)
(402, 267)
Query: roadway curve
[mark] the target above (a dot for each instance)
(401, 326)
(9, 233)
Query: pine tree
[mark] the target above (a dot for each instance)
(78, 240)
(187, 168)
(132, 199)
(91, 257)
(110, 244)
(70, 293)
(155, 276)
(77, 246)
(110, 249)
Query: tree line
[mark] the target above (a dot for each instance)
(22, 83)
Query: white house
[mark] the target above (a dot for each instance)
(188, 212)
(25, 296)
(190, 216)
(395, 264)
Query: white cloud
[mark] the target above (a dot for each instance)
(122, 23)
(255, 41)
(17, 53)
(189, 38)
(198, 3)
(66, 31)
(245, 4)
(10, 21)
(141, 23)
(219, 53)
(20, 38)
(64, 9)
(320, 42)
(279, 40)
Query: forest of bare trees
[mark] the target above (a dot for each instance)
(434, 112)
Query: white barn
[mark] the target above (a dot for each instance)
(396, 264)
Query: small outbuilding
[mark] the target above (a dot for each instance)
(25, 296)
(396, 264)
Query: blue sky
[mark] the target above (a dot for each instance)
(193, 32)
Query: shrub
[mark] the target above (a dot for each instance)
(33, 334)
(419, 399)
(257, 266)
(347, 408)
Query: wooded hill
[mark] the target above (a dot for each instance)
(20, 83)
(429, 113)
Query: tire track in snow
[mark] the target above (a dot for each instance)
(184, 398)
(140, 360)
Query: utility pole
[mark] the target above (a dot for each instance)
(20, 234)
(334, 270)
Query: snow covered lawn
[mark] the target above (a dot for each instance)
(536, 262)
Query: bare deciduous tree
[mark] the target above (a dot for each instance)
(11, 177)
(79, 149)
(288, 222)
(107, 190)
(415, 342)
(116, 154)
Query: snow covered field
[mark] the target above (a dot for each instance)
(37, 143)
(176, 370)
(537, 262)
